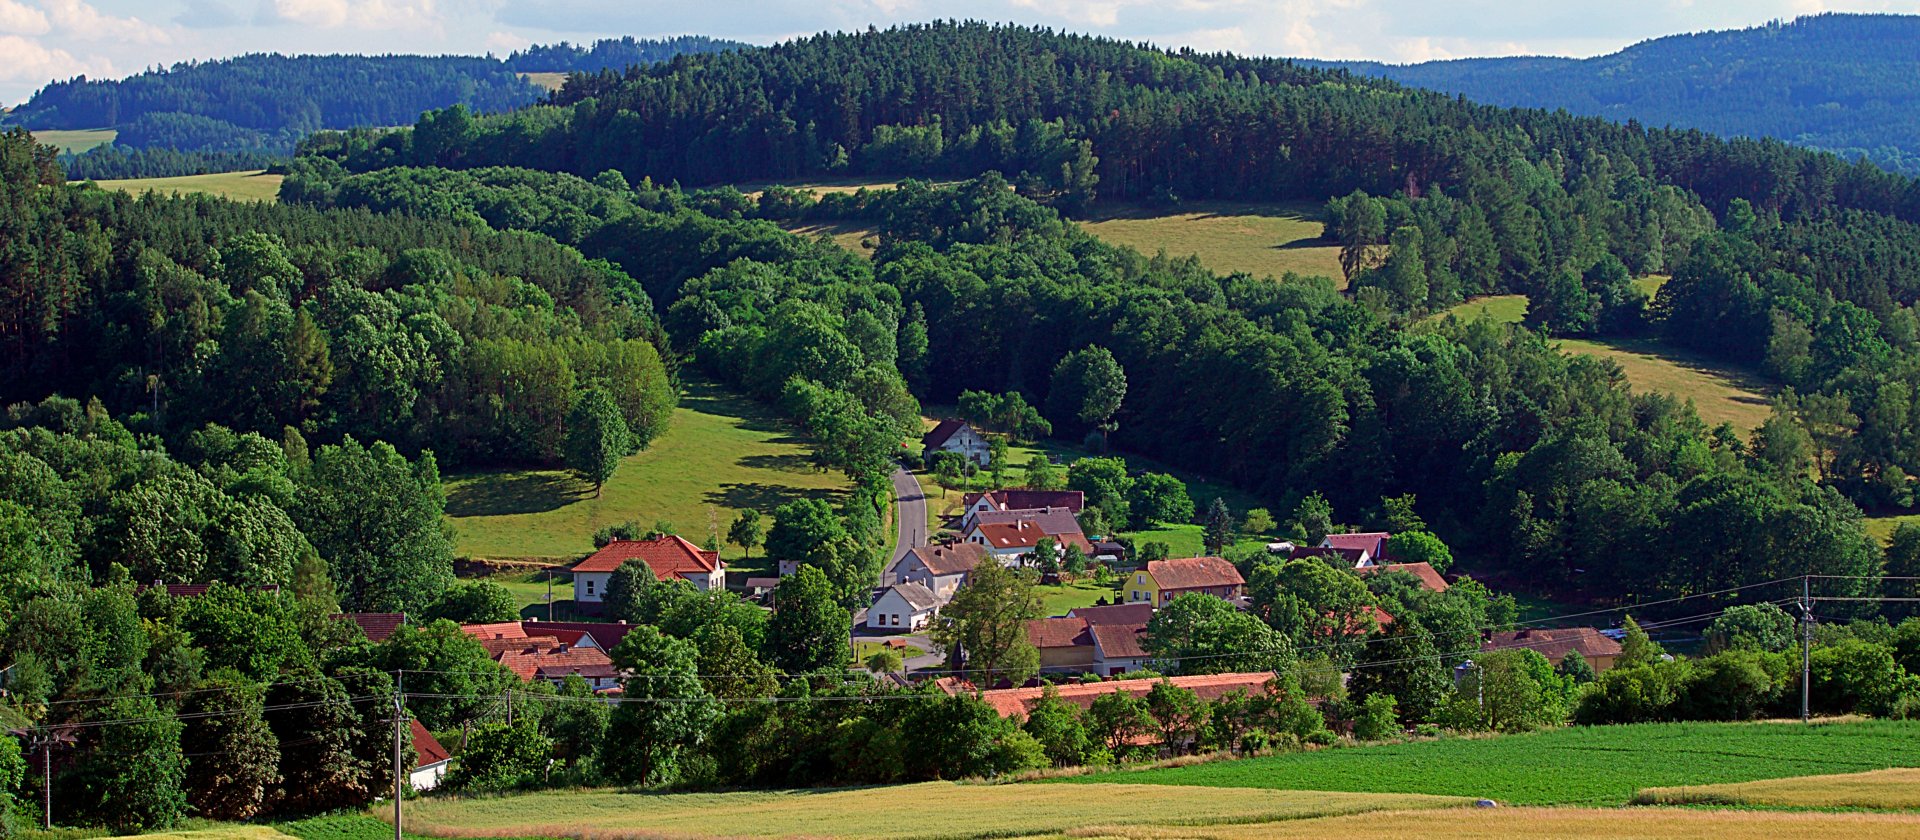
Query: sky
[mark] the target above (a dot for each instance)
(45, 40)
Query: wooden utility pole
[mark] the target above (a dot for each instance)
(399, 722)
(1806, 647)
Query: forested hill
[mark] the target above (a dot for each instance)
(1840, 82)
(266, 102)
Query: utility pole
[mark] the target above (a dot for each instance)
(1806, 646)
(46, 780)
(399, 721)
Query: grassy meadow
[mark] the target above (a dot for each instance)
(75, 141)
(256, 185)
(1264, 240)
(722, 453)
(1882, 527)
(1572, 766)
(546, 81)
(1501, 309)
(852, 236)
(1056, 600)
(1721, 392)
(933, 809)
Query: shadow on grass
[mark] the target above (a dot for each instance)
(497, 494)
(764, 497)
(790, 462)
(564, 609)
(709, 398)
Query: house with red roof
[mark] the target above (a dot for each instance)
(376, 626)
(1161, 581)
(957, 436)
(553, 655)
(1429, 577)
(1011, 542)
(1077, 645)
(670, 557)
(1599, 649)
(1370, 545)
(1015, 702)
(430, 759)
(1073, 501)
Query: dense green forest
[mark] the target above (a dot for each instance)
(264, 103)
(1840, 82)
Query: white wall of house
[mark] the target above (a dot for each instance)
(590, 587)
(427, 778)
(715, 580)
(892, 612)
(969, 444)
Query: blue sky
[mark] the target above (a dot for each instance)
(42, 40)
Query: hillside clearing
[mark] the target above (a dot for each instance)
(1882, 527)
(933, 809)
(1567, 823)
(75, 141)
(1720, 392)
(852, 236)
(1264, 240)
(722, 453)
(1501, 309)
(1896, 789)
(1576, 765)
(255, 185)
(546, 81)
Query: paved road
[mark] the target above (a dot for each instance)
(910, 518)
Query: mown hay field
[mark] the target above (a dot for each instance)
(1573, 766)
(75, 141)
(1264, 240)
(255, 185)
(1895, 789)
(933, 809)
(1720, 392)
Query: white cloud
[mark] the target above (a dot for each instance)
(19, 19)
(76, 19)
(30, 61)
(358, 14)
(502, 43)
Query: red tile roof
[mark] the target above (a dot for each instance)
(1022, 534)
(951, 558)
(605, 636)
(669, 557)
(1014, 702)
(1349, 556)
(1058, 632)
(1430, 579)
(1373, 542)
(1139, 613)
(1554, 643)
(1053, 520)
(1121, 641)
(1072, 500)
(426, 748)
(1194, 573)
(376, 626)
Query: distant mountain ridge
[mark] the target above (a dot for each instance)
(266, 102)
(1848, 83)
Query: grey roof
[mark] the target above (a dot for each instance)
(917, 595)
(1052, 521)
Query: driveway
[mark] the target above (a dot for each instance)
(910, 518)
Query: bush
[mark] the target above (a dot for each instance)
(1377, 721)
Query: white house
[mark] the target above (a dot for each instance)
(941, 568)
(669, 557)
(1117, 648)
(430, 759)
(1072, 501)
(1011, 542)
(958, 436)
(904, 607)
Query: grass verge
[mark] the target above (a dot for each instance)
(1578, 765)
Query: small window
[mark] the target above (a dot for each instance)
(589, 586)
(1140, 579)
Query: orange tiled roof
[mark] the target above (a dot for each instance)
(1430, 578)
(1014, 702)
(668, 556)
(1194, 573)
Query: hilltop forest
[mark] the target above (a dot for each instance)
(1838, 82)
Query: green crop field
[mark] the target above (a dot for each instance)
(722, 453)
(1555, 823)
(934, 809)
(1720, 392)
(1580, 765)
(75, 141)
(256, 185)
(1264, 240)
